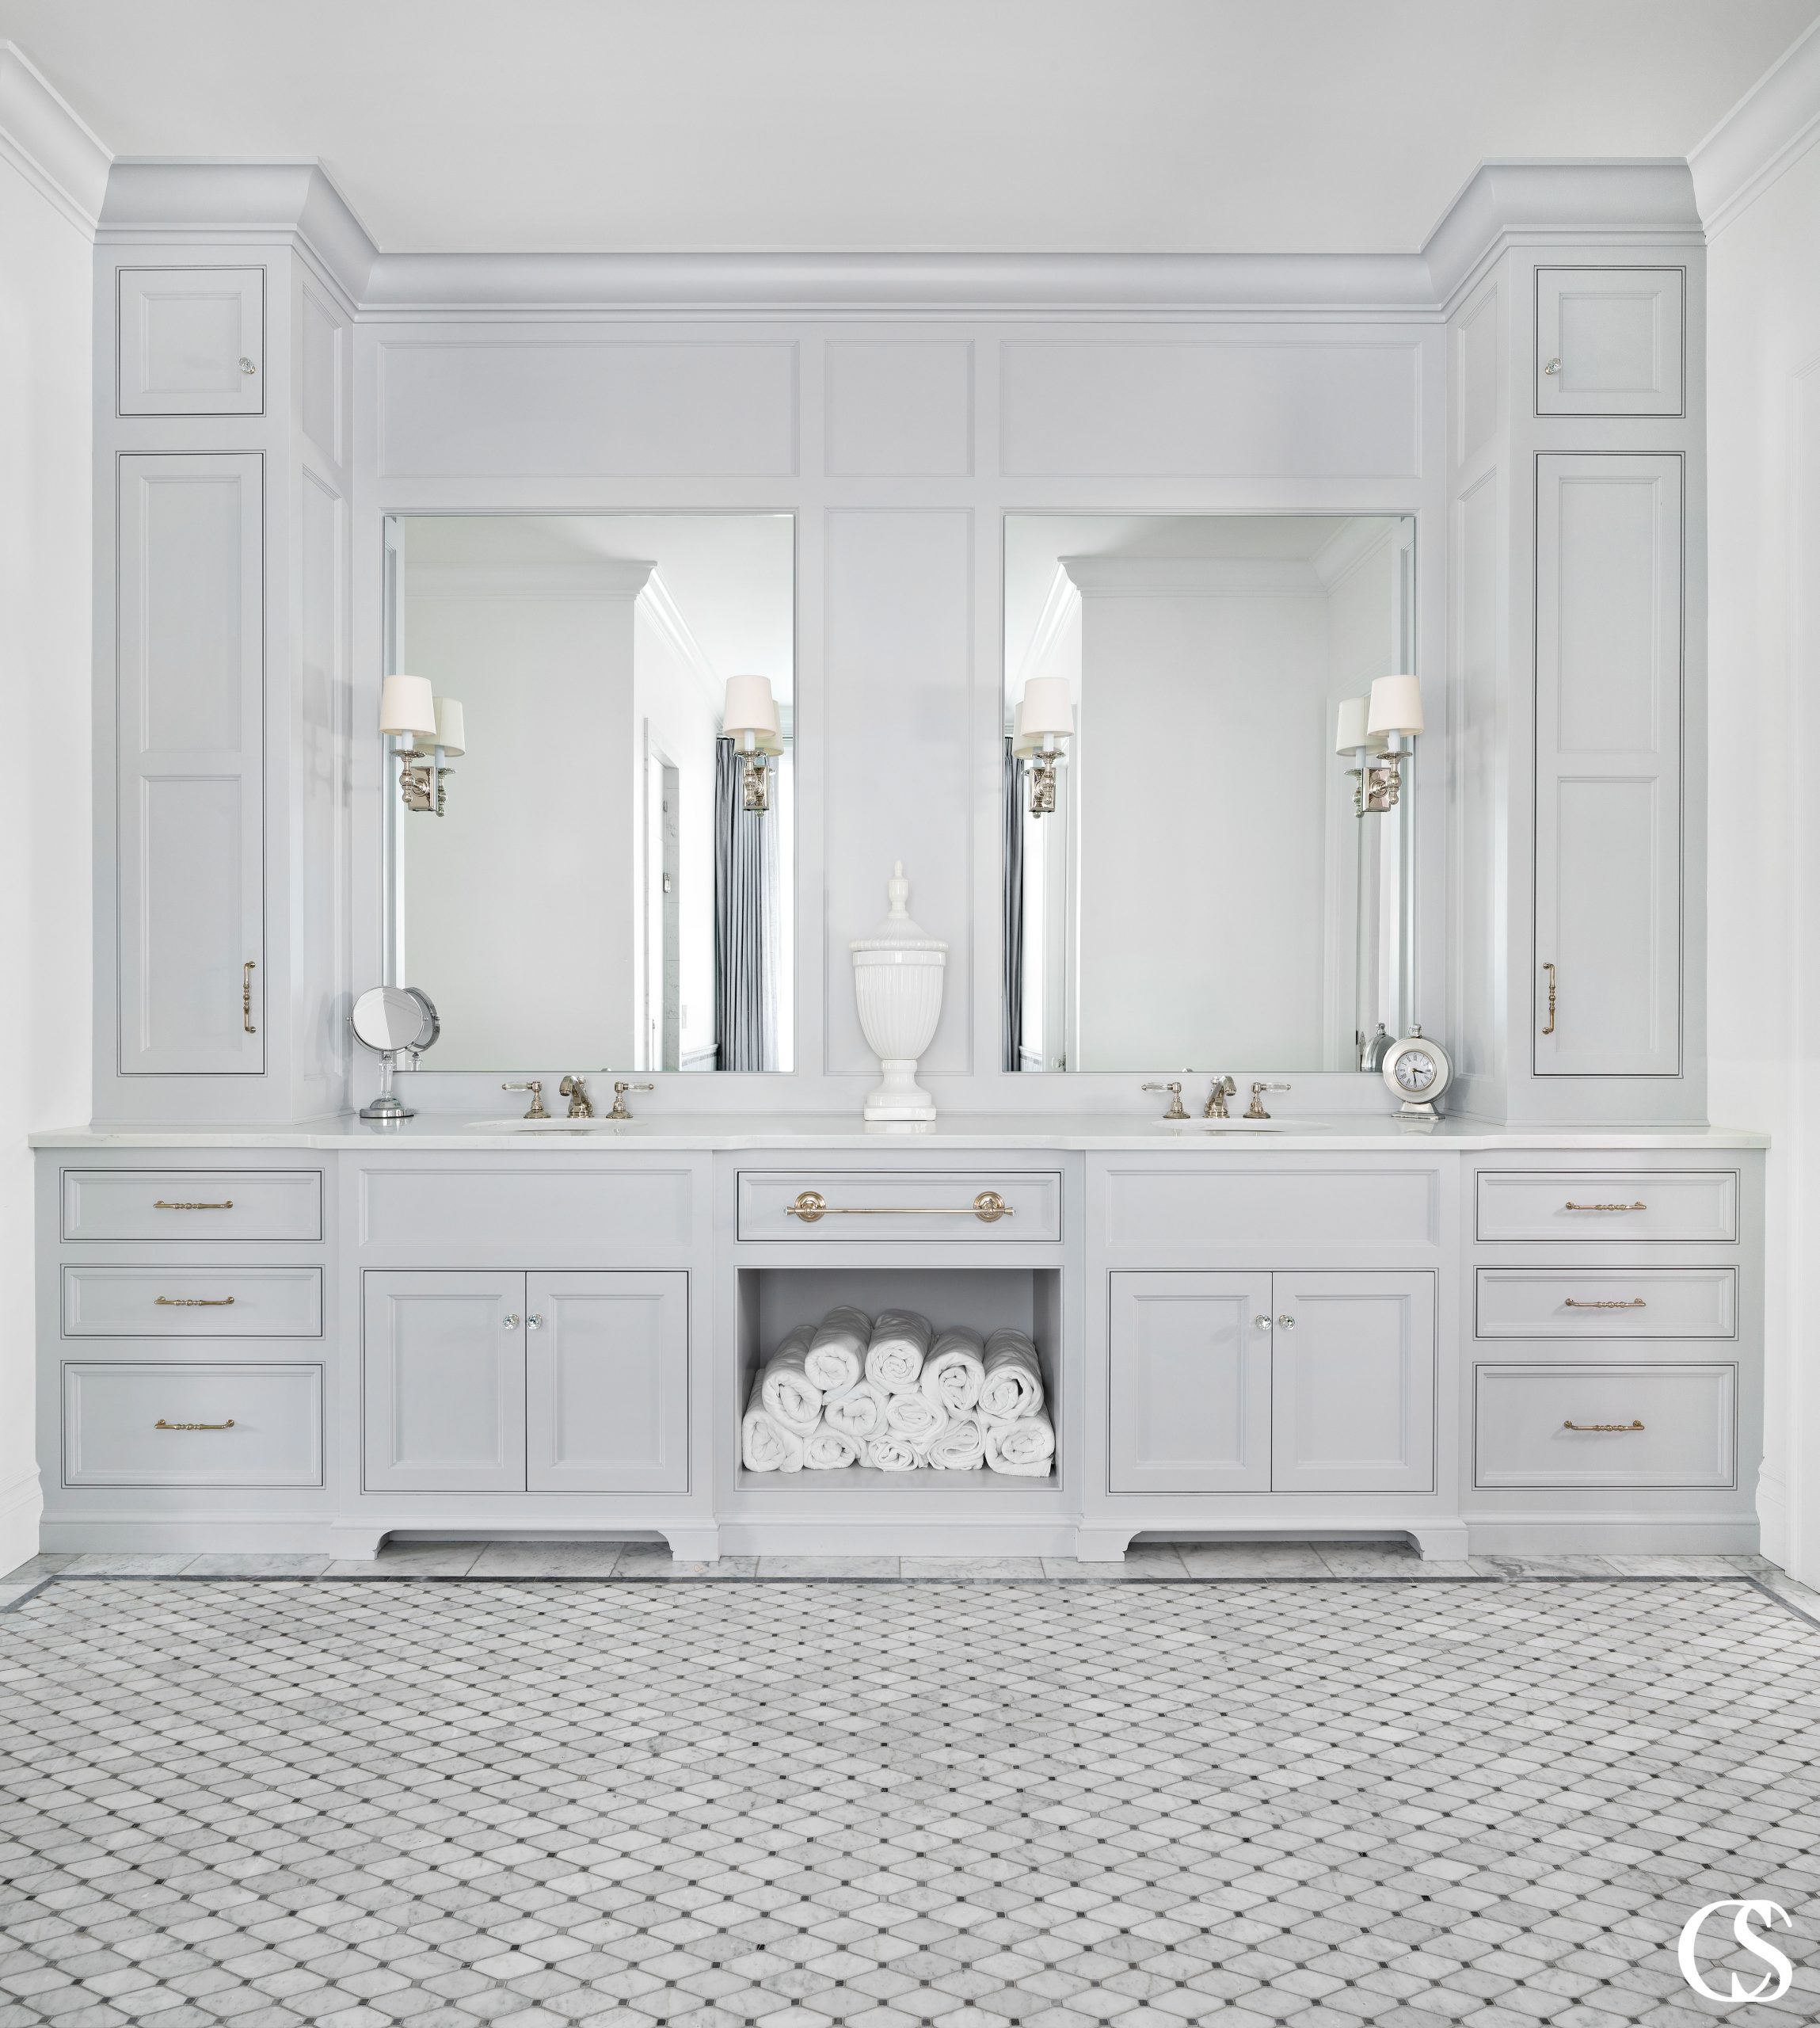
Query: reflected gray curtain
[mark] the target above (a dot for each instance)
(1014, 924)
(745, 919)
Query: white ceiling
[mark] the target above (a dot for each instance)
(1094, 126)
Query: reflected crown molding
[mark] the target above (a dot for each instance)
(605, 577)
(1194, 576)
(666, 616)
(1763, 136)
(48, 142)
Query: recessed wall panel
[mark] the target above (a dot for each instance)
(900, 409)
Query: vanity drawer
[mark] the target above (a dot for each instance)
(921, 1205)
(182, 1424)
(192, 1302)
(1632, 1425)
(193, 1204)
(1607, 1302)
(1610, 1205)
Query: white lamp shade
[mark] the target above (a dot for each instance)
(1395, 705)
(749, 707)
(1351, 732)
(407, 706)
(451, 733)
(1047, 707)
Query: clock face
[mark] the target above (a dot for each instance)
(1415, 1070)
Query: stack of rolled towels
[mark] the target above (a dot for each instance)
(894, 1392)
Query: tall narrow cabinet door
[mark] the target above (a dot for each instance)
(1189, 1409)
(443, 1397)
(191, 723)
(1352, 1383)
(608, 1382)
(1608, 984)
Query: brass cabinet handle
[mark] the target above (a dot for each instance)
(161, 1424)
(1616, 1429)
(246, 972)
(159, 1204)
(988, 1207)
(1550, 1029)
(1634, 1302)
(1639, 1206)
(193, 1302)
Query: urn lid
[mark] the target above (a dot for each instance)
(898, 932)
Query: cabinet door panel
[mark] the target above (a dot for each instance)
(1608, 766)
(191, 342)
(1190, 1372)
(607, 1373)
(1352, 1383)
(190, 810)
(1608, 341)
(444, 1381)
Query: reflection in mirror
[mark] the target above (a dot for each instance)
(1201, 890)
(588, 884)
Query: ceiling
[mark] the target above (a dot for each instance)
(1095, 126)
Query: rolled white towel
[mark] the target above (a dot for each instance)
(767, 1444)
(961, 1446)
(1027, 1447)
(899, 1344)
(826, 1449)
(953, 1371)
(837, 1352)
(1013, 1386)
(917, 1417)
(893, 1454)
(788, 1393)
(859, 1413)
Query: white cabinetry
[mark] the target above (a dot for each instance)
(1609, 341)
(607, 1378)
(1352, 1383)
(1189, 1369)
(192, 341)
(444, 1381)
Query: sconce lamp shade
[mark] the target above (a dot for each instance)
(407, 707)
(1023, 743)
(1351, 733)
(749, 707)
(1395, 705)
(1047, 709)
(451, 733)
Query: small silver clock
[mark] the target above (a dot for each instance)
(1418, 1071)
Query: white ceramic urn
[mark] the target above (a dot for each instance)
(898, 980)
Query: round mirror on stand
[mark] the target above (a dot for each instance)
(393, 1021)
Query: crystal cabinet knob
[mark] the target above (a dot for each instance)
(246, 366)
(1263, 1323)
(534, 1322)
(509, 1322)
(1288, 1323)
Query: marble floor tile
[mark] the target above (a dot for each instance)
(972, 1569)
(1251, 1560)
(1149, 1560)
(547, 1560)
(649, 1560)
(256, 1566)
(103, 1563)
(1672, 1566)
(1549, 1566)
(412, 1559)
(1398, 1560)
(828, 1566)
(10, 1593)
(35, 1567)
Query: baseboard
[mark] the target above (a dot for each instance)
(20, 1505)
(1772, 1518)
(920, 1536)
(1526, 1534)
(199, 1535)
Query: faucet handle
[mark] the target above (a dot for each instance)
(621, 1111)
(1255, 1109)
(535, 1087)
(1174, 1092)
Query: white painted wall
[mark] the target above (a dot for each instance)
(46, 394)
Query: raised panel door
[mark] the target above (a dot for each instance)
(443, 1381)
(192, 341)
(607, 1382)
(1189, 1377)
(1608, 341)
(1352, 1383)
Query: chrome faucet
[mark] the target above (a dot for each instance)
(1174, 1092)
(1255, 1109)
(575, 1091)
(620, 1110)
(535, 1087)
(1223, 1088)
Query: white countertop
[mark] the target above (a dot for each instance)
(961, 1133)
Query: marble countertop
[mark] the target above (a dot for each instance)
(961, 1132)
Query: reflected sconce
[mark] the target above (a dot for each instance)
(432, 729)
(749, 719)
(1045, 720)
(1368, 727)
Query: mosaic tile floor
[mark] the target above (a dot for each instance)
(894, 1803)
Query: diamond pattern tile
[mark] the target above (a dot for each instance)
(242, 1804)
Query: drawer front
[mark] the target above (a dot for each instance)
(956, 1206)
(193, 1204)
(1609, 1206)
(1605, 1426)
(192, 1302)
(539, 1210)
(192, 1424)
(1607, 1302)
(1274, 1212)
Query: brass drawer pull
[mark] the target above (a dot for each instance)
(193, 1302)
(1607, 1302)
(988, 1207)
(1614, 1429)
(1639, 1206)
(158, 1204)
(161, 1424)
(1550, 1029)
(246, 972)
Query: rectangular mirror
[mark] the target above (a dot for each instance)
(1188, 881)
(596, 892)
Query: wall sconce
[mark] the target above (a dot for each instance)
(1367, 727)
(1045, 719)
(409, 710)
(749, 719)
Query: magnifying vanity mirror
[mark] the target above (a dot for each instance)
(393, 1021)
(1202, 868)
(607, 882)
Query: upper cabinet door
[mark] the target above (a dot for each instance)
(190, 815)
(1608, 954)
(1609, 341)
(1189, 1408)
(1353, 1384)
(607, 1382)
(443, 1365)
(192, 341)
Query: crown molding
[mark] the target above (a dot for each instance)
(1349, 547)
(1061, 606)
(600, 578)
(1765, 134)
(665, 614)
(1192, 577)
(47, 141)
